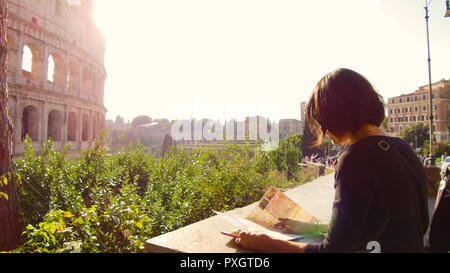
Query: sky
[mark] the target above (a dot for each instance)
(230, 59)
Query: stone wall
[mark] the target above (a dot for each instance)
(56, 73)
(433, 175)
(314, 169)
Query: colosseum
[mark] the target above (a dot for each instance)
(56, 73)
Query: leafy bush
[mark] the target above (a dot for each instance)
(113, 203)
(288, 155)
(441, 148)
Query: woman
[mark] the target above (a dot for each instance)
(379, 181)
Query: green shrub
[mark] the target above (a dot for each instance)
(288, 155)
(113, 203)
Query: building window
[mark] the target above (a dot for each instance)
(392, 130)
(415, 98)
(424, 97)
(424, 108)
(407, 99)
(72, 77)
(27, 59)
(400, 100)
(50, 69)
(415, 118)
(393, 101)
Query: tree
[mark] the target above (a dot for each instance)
(442, 148)
(416, 131)
(384, 124)
(140, 120)
(167, 143)
(9, 207)
(287, 155)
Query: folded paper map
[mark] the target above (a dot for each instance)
(274, 205)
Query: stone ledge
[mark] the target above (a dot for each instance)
(314, 169)
(433, 174)
(204, 236)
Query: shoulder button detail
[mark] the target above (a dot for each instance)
(384, 145)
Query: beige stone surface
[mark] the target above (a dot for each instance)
(204, 236)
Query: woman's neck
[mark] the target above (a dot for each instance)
(365, 131)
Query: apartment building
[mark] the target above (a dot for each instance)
(415, 107)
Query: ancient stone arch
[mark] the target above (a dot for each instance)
(94, 127)
(73, 76)
(85, 79)
(85, 128)
(72, 127)
(58, 71)
(30, 123)
(54, 127)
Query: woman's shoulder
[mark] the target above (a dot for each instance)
(371, 150)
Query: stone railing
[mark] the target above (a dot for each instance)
(433, 174)
(314, 169)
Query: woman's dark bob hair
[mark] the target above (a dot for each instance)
(342, 102)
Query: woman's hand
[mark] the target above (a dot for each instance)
(260, 242)
(292, 226)
(255, 241)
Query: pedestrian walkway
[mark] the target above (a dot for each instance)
(316, 197)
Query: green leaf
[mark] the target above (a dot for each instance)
(18, 179)
(52, 228)
(3, 181)
(139, 225)
(4, 195)
(68, 214)
(30, 227)
(78, 220)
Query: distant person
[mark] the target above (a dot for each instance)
(428, 160)
(422, 159)
(379, 181)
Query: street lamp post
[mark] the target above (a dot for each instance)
(447, 13)
(427, 3)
